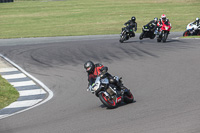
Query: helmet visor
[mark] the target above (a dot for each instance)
(164, 19)
(88, 69)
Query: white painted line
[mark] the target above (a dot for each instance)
(176, 38)
(9, 69)
(50, 93)
(26, 103)
(32, 92)
(14, 76)
(23, 83)
(1, 116)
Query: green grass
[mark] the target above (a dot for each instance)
(8, 93)
(191, 37)
(41, 18)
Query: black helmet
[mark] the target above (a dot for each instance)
(133, 18)
(89, 66)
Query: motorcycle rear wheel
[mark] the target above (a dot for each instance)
(128, 97)
(198, 33)
(158, 40)
(109, 103)
(153, 36)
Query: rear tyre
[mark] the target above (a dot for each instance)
(109, 103)
(198, 33)
(153, 36)
(128, 97)
(158, 40)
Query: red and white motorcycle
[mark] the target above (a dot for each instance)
(192, 30)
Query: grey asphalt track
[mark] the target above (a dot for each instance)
(164, 78)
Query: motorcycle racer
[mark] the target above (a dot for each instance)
(153, 24)
(132, 24)
(163, 20)
(95, 70)
(149, 30)
(196, 22)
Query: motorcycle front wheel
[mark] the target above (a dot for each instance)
(141, 36)
(186, 33)
(122, 38)
(109, 103)
(165, 36)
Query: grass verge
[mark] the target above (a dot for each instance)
(8, 93)
(41, 18)
(191, 37)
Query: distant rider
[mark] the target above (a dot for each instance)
(95, 70)
(153, 24)
(131, 24)
(196, 22)
(163, 20)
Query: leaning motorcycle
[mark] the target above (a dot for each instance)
(163, 32)
(147, 32)
(192, 30)
(108, 93)
(125, 34)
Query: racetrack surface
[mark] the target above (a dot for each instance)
(163, 77)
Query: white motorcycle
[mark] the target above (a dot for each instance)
(192, 30)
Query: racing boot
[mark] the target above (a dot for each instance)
(120, 85)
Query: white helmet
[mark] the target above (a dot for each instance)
(163, 16)
(197, 19)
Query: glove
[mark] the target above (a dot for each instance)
(89, 88)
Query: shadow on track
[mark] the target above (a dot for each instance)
(119, 105)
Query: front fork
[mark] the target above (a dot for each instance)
(160, 34)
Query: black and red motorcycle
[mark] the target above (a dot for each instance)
(108, 93)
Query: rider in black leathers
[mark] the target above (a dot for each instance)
(153, 24)
(132, 24)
